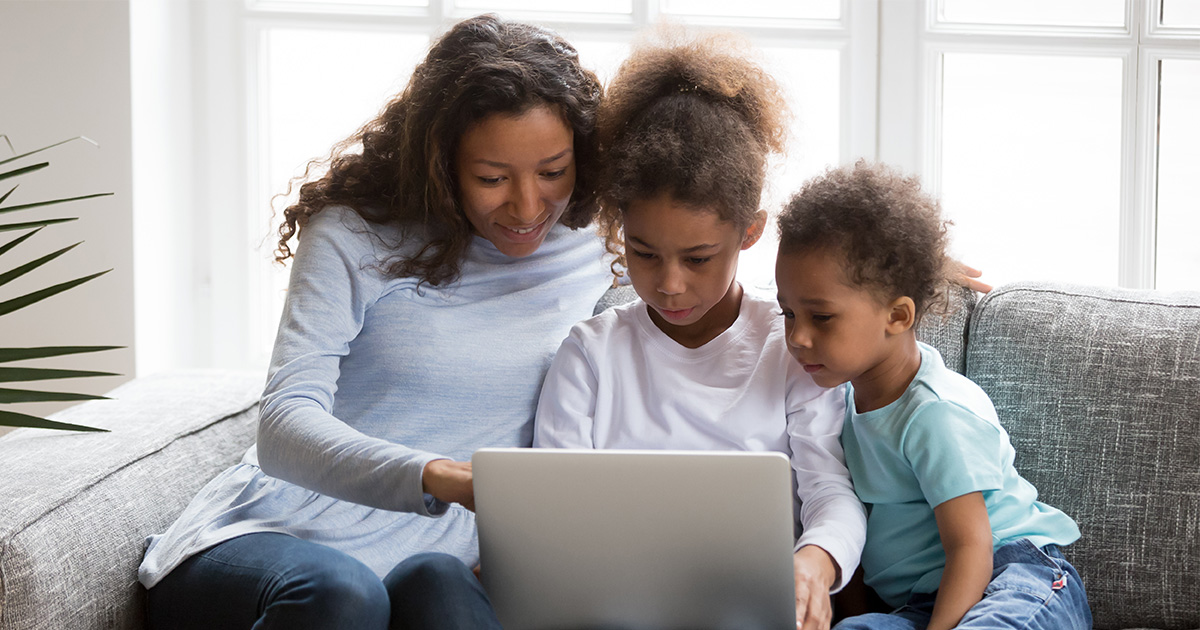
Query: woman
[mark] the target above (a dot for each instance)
(438, 270)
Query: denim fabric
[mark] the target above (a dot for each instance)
(268, 580)
(1031, 588)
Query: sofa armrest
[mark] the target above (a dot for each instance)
(78, 506)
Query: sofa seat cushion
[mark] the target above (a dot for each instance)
(78, 506)
(1099, 390)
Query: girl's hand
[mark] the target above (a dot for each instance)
(815, 573)
(450, 481)
(966, 276)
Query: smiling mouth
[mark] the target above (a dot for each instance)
(522, 234)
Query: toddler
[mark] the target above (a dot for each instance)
(955, 536)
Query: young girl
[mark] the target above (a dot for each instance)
(697, 363)
(955, 535)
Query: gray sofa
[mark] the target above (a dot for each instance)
(1099, 388)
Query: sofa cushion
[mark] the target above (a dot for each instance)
(1099, 389)
(945, 327)
(78, 506)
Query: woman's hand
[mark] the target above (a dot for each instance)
(815, 573)
(966, 276)
(450, 481)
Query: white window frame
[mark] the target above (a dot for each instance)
(910, 99)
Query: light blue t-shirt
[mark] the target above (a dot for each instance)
(940, 440)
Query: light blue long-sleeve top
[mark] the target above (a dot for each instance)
(372, 377)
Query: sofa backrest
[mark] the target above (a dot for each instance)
(945, 327)
(1100, 391)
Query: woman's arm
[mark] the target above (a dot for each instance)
(968, 276)
(967, 539)
(299, 439)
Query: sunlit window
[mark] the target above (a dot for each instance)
(1031, 164)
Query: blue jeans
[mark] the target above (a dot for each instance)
(269, 580)
(1031, 588)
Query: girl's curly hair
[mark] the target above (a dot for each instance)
(890, 233)
(405, 175)
(694, 118)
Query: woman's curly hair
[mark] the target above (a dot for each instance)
(889, 232)
(693, 118)
(405, 174)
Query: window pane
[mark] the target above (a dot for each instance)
(601, 56)
(811, 80)
(1031, 165)
(552, 6)
(1178, 264)
(1181, 13)
(319, 86)
(791, 9)
(336, 5)
(1034, 12)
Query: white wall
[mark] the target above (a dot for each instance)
(65, 71)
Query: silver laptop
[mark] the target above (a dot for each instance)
(662, 540)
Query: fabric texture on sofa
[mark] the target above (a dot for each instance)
(1100, 391)
(77, 507)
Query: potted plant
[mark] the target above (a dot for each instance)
(8, 304)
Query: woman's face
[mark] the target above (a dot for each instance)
(515, 177)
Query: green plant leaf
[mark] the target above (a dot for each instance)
(23, 170)
(9, 396)
(11, 227)
(39, 204)
(17, 241)
(14, 419)
(16, 303)
(51, 146)
(15, 374)
(10, 191)
(21, 354)
(17, 272)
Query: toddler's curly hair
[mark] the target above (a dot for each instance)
(889, 232)
(693, 117)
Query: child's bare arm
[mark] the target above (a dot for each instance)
(967, 538)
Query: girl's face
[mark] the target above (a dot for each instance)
(838, 332)
(682, 261)
(515, 177)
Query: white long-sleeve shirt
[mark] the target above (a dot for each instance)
(618, 382)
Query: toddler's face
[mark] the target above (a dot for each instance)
(835, 330)
(682, 263)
